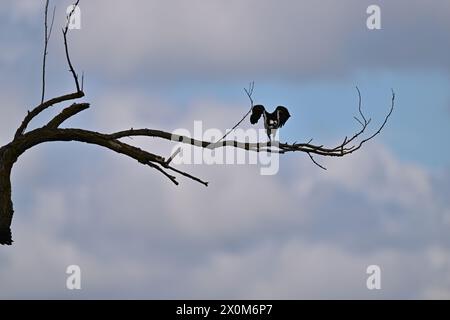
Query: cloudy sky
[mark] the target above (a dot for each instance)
(302, 233)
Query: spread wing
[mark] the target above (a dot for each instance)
(282, 115)
(257, 111)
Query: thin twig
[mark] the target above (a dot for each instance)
(205, 183)
(385, 120)
(360, 105)
(51, 24)
(249, 93)
(47, 35)
(172, 178)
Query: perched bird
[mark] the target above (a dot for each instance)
(272, 121)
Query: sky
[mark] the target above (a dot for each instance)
(299, 234)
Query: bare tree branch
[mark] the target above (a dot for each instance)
(249, 93)
(384, 122)
(66, 114)
(50, 133)
(172, 178)
(344, 148)
(187, 175)
(38, 109)
(340, 150)
(315, 162)
(173, 155)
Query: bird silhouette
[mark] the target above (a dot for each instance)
(272, 121)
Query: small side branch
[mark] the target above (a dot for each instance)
(249, 93)
(69, 62)
(66, 114)
(47, 34)
(188, 175)
(384, 122)
(173, 156)
(52, 133)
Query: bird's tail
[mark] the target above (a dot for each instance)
(257, 111)
(5, 236)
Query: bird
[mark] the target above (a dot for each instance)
(272, 121)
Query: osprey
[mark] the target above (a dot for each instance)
(272, 121)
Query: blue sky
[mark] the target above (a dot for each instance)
(303, 233)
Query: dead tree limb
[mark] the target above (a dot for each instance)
(24, 140)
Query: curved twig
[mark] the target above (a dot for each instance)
(66, 48)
